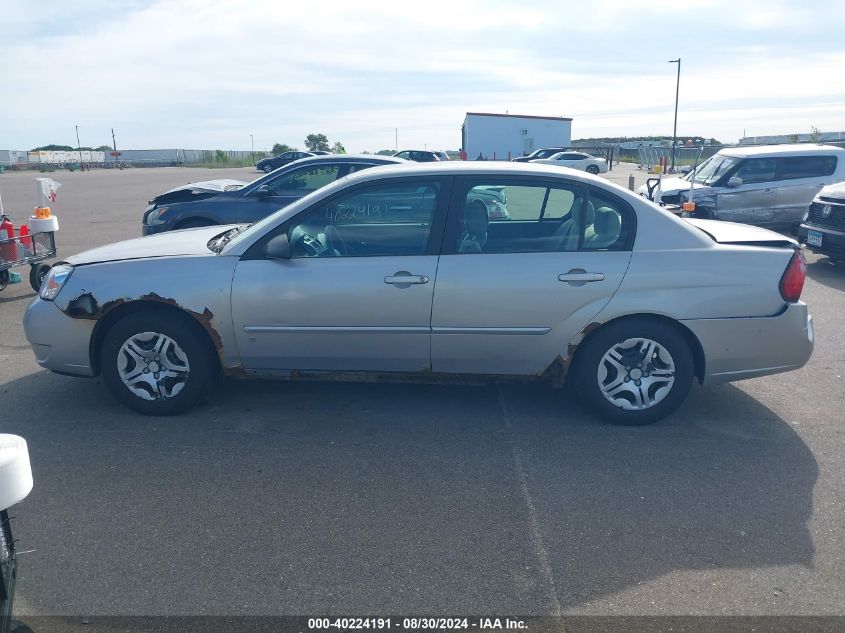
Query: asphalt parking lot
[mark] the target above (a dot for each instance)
(304, 498)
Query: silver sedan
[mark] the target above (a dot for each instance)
(400, 271)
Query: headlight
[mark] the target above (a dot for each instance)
(154, 216)
(54, 281)
(806, 215)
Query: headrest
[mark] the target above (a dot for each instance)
(475, 217)
(607, 222)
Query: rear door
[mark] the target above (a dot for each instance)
(800, 178)
(512, 293)
(752, 202)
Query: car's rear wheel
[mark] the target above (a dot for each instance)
(634, 371)
(157, 363)
(593, 169)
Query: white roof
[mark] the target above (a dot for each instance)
(791, 149)
(15, 472)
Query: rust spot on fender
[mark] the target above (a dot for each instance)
(204, 318)
(558, 369)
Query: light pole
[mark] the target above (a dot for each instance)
(675, 128)
(79, 149)
(251, 148)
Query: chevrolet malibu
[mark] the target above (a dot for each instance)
(399, 271)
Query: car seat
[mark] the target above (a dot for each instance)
(474, 225)
(565, 237)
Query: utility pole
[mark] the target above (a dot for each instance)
(79, 149)
(396, 141)
(114, 144)
(677, 92)
(251, 148)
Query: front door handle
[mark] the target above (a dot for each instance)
(579, 276)
(404, 279)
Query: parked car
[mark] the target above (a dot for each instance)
(274, 162)
(823, 225)
(767, 185)
(422, 156)
(576, 160)
(544, 152)
(229, 201)
(398, 271)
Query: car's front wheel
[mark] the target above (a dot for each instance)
(157, 363)
(635, 371)
(593, 169)
(267, 168)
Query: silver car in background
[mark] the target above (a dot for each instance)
(765, 185)
(400, 271)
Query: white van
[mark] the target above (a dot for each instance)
(769, 185)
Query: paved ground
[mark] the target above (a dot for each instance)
(316, 498)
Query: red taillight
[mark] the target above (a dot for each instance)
(792, 282)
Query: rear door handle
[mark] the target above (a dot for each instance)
(404, 278)
(579, 276)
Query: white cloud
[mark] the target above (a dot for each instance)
(194, 73)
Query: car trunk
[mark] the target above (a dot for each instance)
(742, 234)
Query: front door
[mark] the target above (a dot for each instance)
(753, 201)
(512, 293)
(356, 293)
(285, 188)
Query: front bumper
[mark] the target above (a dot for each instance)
(60, 343)
(152, 229)
(833, 241)
(740, 348)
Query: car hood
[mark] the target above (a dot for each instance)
(836, 190)
(735, 233)
(674, 185)
(224, 184)
(170, 244)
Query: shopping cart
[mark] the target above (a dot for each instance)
(30, 249)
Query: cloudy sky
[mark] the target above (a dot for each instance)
(208, 73)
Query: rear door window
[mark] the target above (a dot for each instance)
(794, 167)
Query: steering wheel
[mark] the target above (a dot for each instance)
(334, 241)
(310, 245)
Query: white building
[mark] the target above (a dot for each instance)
(505, 136)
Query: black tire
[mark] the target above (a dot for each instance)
(267, 168)
(593, 169)
(591, 354)
(37, 272)
(194, 223)
(190, 340)
(704, 213)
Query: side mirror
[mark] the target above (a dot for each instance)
(263, 191)
(278, 247)
(734, 181)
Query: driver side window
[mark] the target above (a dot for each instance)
(388, 219)
(304, 180)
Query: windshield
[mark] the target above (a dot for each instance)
(712, 169)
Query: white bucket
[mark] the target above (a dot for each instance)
(15, 471)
